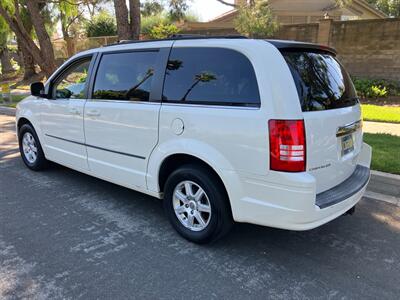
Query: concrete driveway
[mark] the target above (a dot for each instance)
(67, 235)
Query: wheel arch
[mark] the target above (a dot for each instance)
(176, 160)
(22, 121)
(28, 113)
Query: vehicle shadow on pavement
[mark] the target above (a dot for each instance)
(375, 214)
(343, 233)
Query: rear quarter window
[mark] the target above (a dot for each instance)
(321, 81)
(210, 76)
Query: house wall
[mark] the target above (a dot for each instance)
(367, 48)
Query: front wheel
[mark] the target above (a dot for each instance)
(30, 148)
(197, 205)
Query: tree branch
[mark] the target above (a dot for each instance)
(227, 3)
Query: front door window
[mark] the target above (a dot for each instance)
(72, 84)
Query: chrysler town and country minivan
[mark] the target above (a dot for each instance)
(222, 129)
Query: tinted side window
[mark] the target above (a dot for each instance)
(212, 76)
(125, 76)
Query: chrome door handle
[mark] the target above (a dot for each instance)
(93, 113)
(74, 111)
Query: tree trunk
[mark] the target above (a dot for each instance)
(6, 66)
(67, 38)
(46, 47)
(27, 61)
(134, 13)
(123, 27)
(16, 25)
(70, 45)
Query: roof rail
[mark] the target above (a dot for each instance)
(179, 36)
(175, 37)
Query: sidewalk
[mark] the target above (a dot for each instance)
(384, 187)
(379, 127)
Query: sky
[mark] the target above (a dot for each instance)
(208, 9)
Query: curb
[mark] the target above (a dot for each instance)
(381, 197)
(9, 111)
(385, 175)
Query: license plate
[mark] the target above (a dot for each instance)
(347, 144)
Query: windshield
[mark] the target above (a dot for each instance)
(321, 81)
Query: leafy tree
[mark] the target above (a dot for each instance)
(43, 54)
(70, 15)
(93, 6)
(162, 31)
(256, 19)
(389, 7)
(101, 25)
(177, 9)
(151, 8)
(6, 66)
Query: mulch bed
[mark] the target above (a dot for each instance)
(389, 101)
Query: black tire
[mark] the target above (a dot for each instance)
(220, 221)
(40, 162)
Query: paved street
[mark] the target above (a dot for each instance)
(67, 235)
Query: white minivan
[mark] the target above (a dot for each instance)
(222, 129)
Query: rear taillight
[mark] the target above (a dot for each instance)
(287, 143)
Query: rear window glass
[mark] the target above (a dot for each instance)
(210, 76)
(321, 81)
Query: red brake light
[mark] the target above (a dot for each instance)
(287, 143)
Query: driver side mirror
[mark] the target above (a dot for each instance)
(37, 89)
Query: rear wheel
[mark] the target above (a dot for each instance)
(30, 148)
(196, 204)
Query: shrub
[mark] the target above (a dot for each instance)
(161, 31)
(158, 26)
(149, 22)
(374, 88)
(377, 91)
(101, 25)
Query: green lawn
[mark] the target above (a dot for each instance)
(390, 114)
(15, 100)
(385, 152)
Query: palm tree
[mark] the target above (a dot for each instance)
(202, 77)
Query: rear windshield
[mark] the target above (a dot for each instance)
(321, 81)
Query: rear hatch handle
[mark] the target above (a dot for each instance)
(349, 128)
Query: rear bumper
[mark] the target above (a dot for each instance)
(289, 200)
(351, 186)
